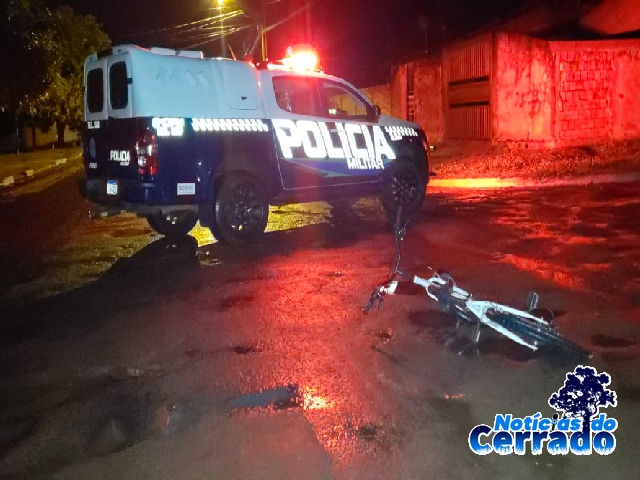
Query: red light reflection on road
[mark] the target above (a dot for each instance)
(312, 401)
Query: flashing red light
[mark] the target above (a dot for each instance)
(301, 59)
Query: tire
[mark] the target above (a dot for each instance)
(173, 224)
(404, 186)
(541, 336)
(240, 210)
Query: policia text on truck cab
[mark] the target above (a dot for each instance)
(178, 138)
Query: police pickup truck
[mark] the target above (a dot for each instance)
(177, 138)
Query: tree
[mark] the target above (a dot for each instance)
(20, 61)
(64, 40)
(21, 77)
(583, 393)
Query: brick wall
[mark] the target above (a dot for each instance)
(429, 100)
(566, 93)
(524, 92)
(584, 80)
(599, 84)
(542, 93)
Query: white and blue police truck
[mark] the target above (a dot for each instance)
(176, 137)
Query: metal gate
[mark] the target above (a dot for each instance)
(467, 81)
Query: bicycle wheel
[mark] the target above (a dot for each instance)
(538, 334)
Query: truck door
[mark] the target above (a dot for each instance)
(119, 91)
(326, 134)
(110, 130)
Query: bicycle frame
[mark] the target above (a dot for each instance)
(465, 307)
(479, 308)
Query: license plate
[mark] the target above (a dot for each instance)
(112, 187)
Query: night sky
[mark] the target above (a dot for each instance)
(357, 39)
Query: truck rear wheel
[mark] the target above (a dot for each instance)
(240, 210)
(173, 224)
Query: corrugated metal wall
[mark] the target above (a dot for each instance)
(467, 80)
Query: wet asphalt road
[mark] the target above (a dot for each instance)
(125, 355)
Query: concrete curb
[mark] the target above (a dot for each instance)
(30, 173)
(7, 181)
(503, 183)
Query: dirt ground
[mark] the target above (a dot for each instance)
(481, 159)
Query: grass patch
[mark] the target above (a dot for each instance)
(38, 155)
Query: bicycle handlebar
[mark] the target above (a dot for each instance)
(382, 289)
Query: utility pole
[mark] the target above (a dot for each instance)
(223, 47)
(263, 33)
(423, 23)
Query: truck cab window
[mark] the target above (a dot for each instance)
(297, 95)
(340, 102)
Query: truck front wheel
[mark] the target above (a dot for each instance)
(240, 210)
(405, 185)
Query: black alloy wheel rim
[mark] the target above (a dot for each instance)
(404, 188)
(243, 210)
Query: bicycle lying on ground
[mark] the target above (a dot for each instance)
(533, 328)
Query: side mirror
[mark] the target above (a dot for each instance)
(376, 112)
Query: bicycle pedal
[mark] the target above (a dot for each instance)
(532, 301)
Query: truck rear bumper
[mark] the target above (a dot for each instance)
(135, 197)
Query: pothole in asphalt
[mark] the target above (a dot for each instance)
(606, 341)
(439, 328)
(208, 258)
(280, 398)
(384, 335)
(389, 356)
(591, 231)
(236, 301)
(505, 348)
(368, 432)
(248, 279)
(336, 274)
(245, 349)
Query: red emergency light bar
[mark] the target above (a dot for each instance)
(298, 59)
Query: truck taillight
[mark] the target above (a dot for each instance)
(147, 152)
